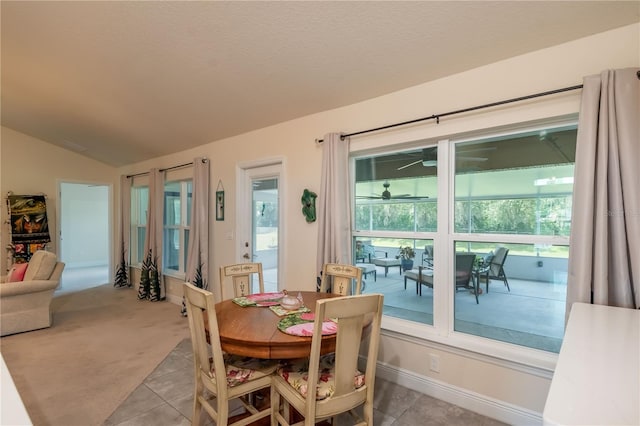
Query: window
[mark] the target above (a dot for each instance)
(508, 193)
(177, 222)
(139, 206)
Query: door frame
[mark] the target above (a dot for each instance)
(110, 233)
(244, 196)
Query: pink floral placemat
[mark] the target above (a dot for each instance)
(297, 326)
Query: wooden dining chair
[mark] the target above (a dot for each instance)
(340, 279)
(225, 376)
(321, 387)
(242, 276)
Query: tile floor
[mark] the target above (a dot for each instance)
(166, 395)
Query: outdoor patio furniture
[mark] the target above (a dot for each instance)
(427, 256)
(464, 275)
(368, 268)
(422, 276)
(495, 268)
(464, 272)
(387, 262)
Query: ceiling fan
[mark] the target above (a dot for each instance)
(386, 195)
(430, 157)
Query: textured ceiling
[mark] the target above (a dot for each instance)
(122, 81)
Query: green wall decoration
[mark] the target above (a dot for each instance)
(309, 205)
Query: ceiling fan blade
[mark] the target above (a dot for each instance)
(409, 165)
(410, 197)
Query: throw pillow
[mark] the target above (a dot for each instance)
(16, 273)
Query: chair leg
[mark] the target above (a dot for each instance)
(506, 282)
(475, 281)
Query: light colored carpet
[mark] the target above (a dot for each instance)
(102, 345)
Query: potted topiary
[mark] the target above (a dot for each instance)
(406, 255)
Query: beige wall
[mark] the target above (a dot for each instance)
(293, 141)
(31, 166)
(548, 69)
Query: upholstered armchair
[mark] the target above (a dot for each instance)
(26, 305)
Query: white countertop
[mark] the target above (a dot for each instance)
(597, 377)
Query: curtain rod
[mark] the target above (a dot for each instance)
(460, 111)
(204, 160)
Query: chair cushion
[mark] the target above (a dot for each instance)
(296, 373)
(366, 267)
(16, 273)
(243, 369)
(41, 266)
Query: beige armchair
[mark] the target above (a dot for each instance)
(26, 305)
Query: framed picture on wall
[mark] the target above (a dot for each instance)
(219, 205)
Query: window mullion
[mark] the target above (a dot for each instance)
(443, 296)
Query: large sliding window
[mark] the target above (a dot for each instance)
(488, 219)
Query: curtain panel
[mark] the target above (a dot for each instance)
(334, 203)
(198, 251)
(121, 278)
(604, 257)
(152, 286)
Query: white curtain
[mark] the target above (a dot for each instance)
(198, 253)
(604, 258)
(151, 283)
(121, 278)
(334, 203)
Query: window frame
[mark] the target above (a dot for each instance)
(442, 332)
(136, 226)
(183, 227)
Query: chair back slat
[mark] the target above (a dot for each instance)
(242, 276)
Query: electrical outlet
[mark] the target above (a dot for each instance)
(434, 363)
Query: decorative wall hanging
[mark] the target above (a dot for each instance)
(29, 225)
(309, 205)
(220, 201)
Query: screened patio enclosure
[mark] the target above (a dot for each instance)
(511, 190)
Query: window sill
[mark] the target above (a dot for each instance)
(528, 360)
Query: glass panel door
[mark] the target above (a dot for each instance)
(265, 227)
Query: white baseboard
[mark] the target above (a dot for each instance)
(176, 300)
(481, 404)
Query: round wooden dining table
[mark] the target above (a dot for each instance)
(253, 331)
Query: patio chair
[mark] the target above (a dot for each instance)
(495, 268)
(427, 256)
(464, 272)
(323, 386)
(241, 274)
(367, 253)
(423, 276)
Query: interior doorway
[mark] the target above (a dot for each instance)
(84, 235)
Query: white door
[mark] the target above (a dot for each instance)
(84, 235)
(259, 229)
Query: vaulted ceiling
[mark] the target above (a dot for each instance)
(122, 81)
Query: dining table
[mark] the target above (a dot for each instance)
(253, 330)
